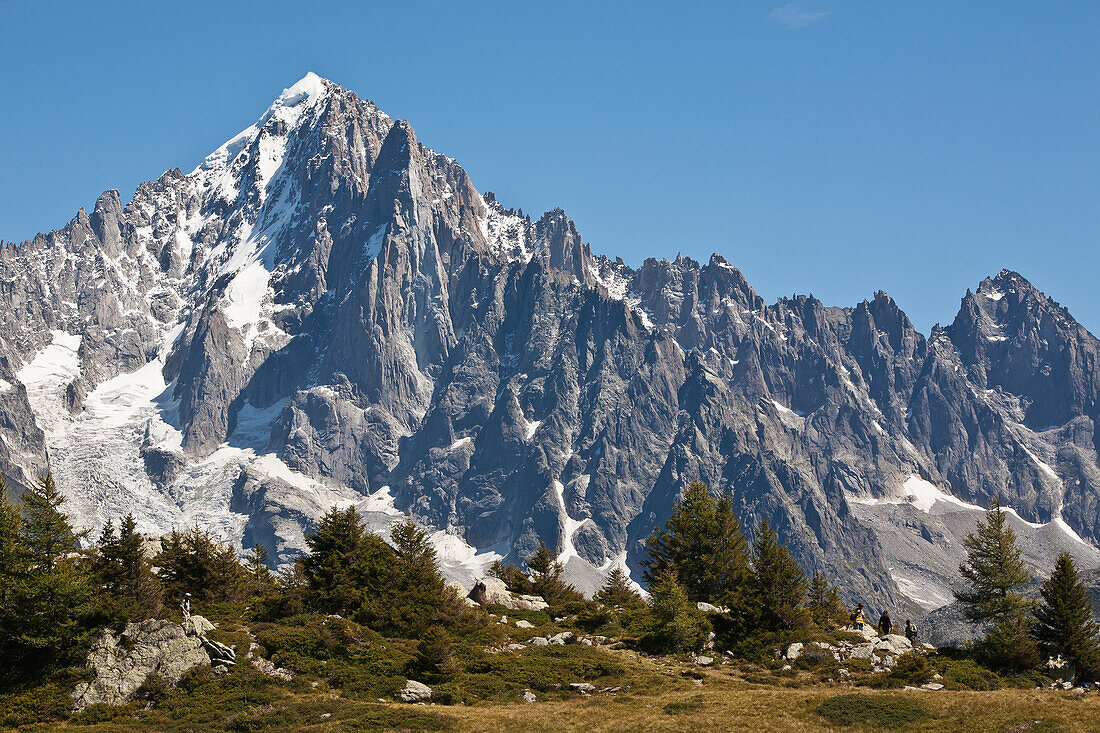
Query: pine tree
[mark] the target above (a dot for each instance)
(126, 574)
(57, 596)
(545, 577)
(704, 546)
(14, 569)
(992, 570)
(194, 562)
(261, 579)
(675, 624)
(335, 554)
(779, 583)
(419, 596)
(1063, 622)
(618, 591)
(824, 603)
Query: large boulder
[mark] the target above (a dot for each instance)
(122, 662)
(414, 691)
(493, 592)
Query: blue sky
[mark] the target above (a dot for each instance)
(832, 148)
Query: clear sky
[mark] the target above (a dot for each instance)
(824, 146)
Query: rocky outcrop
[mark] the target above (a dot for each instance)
(122, 662)
(493, 592)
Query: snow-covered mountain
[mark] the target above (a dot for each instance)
(327, 312)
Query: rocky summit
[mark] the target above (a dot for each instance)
(327, 312)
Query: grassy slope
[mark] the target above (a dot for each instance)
(659, 695)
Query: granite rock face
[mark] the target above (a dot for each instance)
(122, 663)
(326, 312)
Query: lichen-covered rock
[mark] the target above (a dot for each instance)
(122, 662)
(197, 626)
(493, 592)
(414, 691)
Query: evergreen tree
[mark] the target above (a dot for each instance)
(1063, 622)
(14, 568)
(617, 590)
(545, 577)
(131, 591)
(704, 546)
(332, 569)
(513, 577)
(418, 596)
(779, 584)
(993, 570)
(194, 562)
(824, 603)
(261, 579)
(56, 597)
(675, 624)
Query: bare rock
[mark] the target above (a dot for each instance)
(122, 663)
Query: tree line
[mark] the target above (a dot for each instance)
(55, 597)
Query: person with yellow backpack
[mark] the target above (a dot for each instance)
(857, 618)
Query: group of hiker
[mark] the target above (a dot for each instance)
(884, 627)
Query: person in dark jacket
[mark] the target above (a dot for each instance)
(884, 624)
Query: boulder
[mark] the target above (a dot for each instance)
(564, 637)
(582, 687)
(220, 653)
(524, 624)
(529, 696)
(540, 641)
(794, 651)
(493, 592)
(122, 662)
(197, 626)
(414, 691)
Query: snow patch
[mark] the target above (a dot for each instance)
(569, 526)
(47, 375)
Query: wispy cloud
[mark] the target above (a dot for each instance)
(797, 14)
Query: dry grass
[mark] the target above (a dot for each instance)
(726, 706)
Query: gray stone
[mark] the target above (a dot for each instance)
(794, 651)
(414, 691)
(529, 696)
(582, 687)
(122, 663)
(524, 624)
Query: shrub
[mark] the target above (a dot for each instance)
(435, 653)
(910, 669)
(42, 704)
(967, 674)
(884, 712)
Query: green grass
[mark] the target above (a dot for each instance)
(887, 712)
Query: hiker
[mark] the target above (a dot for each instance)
(856, 617)
(884, 624)
(910, 632)
(185, 606)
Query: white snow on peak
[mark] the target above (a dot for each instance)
(306, 88)
(994, 294)
(5, 386)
